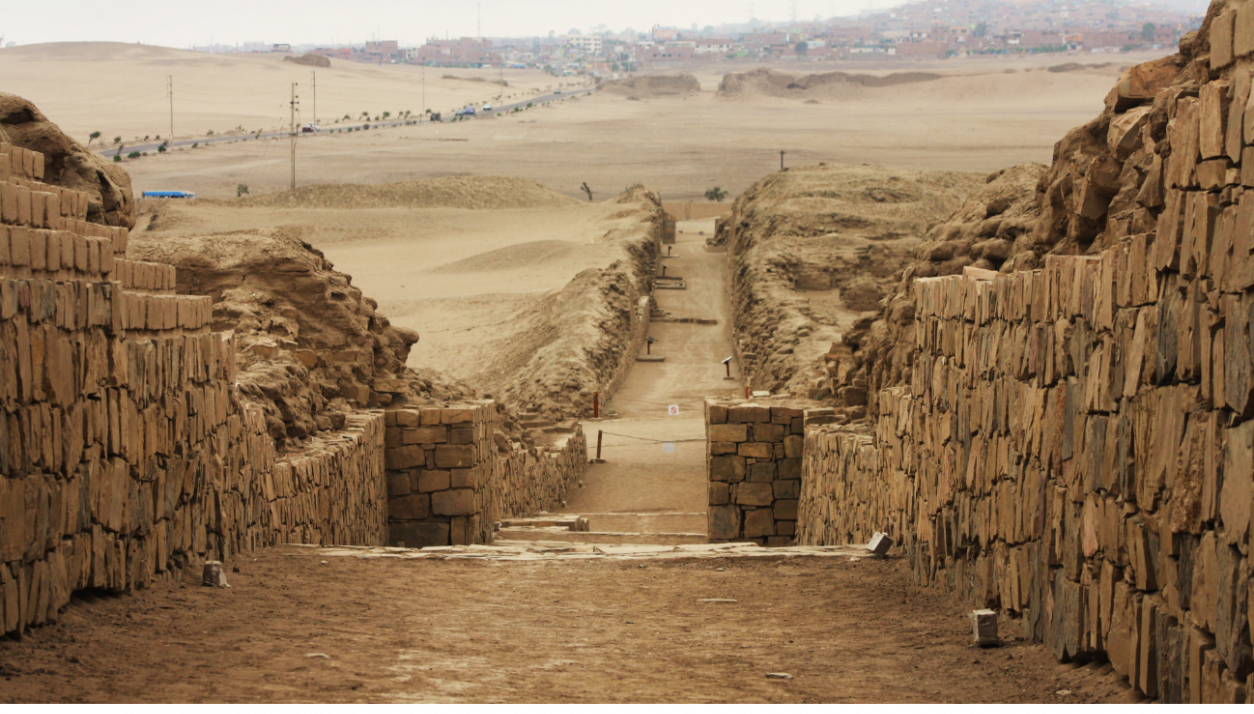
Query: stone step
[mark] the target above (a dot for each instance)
(559, 536)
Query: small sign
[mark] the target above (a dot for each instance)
(673, 410)
(668, 447)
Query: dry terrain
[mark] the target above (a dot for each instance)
(297, 626)
(978, 116)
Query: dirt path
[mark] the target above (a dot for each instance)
(297, 626)
(664, 491)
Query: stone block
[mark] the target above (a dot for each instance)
(722, 448)
(463, 478)
(1242, 32)
(748, 414)
(448, 456)
(717, 414)
(762, 472)
(414, 506)
(429, 481)
(759, 523)
(425, 435)
(786, 509)
(1221, 40)
(454, 502)
(418, 534)
(727, 468)
(399, 483)
(755, 450)
(789, 469)
(752, 494)
(787, 489)
(461, 435)
(793, 446)
(404, 457)
(719, 493)
(723, 523)
(729, 432)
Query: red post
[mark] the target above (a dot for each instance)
(746, 392)
(596, 405)
(598, 444)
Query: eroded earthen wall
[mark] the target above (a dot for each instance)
(125, 452)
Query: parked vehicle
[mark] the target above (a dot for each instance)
(469, 111)
(309, 128)
(487, 106)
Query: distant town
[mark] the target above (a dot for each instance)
(933, 29)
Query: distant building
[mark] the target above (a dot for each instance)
(284, 47)
(585, 44)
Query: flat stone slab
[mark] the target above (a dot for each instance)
(650, 358)
(577, 551)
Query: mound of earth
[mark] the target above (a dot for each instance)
(471, 192)
(657, 85)
(310, 60)
(311, 346)
(814, 249)
(68, 163)
(772, 83)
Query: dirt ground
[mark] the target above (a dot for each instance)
(297, 627)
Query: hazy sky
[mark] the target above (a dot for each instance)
(180, 24)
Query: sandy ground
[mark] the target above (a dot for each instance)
(297, 627)
(120, 89)
(664, 491)
(981, 116)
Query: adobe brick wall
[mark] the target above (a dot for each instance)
(125, 452)
(527, 481)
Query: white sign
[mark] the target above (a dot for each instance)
(668, 447)
(673, 410)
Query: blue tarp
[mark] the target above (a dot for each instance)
(169, 194)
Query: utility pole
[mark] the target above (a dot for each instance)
(169, 90)
(293, 136)
(424, 88)
(313, 76)
(781, 161)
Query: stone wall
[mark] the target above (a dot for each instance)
(125, 452)
(449, 483)
(439, 472)
(753, 461)
(1075, 449)
(639, 331)
(527, 481)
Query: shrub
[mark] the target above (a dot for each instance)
(133, 155)
(117, 158)
(715, 194)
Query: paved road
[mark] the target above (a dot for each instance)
(152, 145)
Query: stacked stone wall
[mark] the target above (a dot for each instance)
(1075, 449)
(125, 452)
(639, 331)
(448, 483)
(527, 481)
(753, 463)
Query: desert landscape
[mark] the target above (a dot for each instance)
(876, 380)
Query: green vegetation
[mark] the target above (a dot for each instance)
(715, 195)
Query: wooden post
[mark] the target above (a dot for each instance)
(598, 444)
(663, 270)
(727, 364)
(746, 391)
(596, 405)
